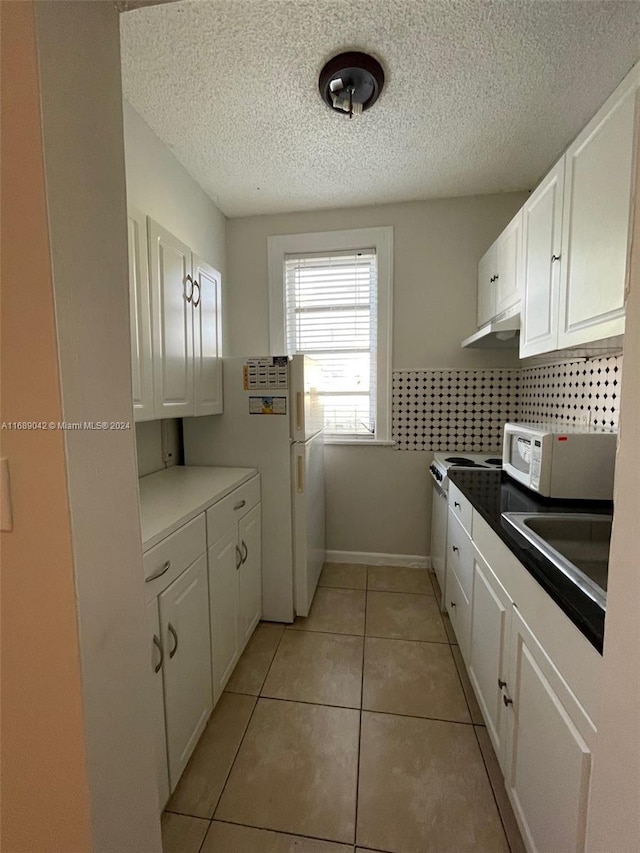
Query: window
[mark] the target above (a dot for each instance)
(330, 298)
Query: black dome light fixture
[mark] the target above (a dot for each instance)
(351, 83)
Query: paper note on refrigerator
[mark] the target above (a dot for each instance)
(267, 405)
(267, 372)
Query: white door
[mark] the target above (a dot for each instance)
(549, 760)
(250, 542)
(308, 520)
(542, 260)
(207, 339)
(184, 618)
(487, 270)
(488, 661)
(225, 559)
(140, 317)
(598, 191)
(509, 251)
(172, 312)
(157, 723)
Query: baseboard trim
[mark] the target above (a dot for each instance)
(414, 561)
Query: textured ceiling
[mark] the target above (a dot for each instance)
(480, 96)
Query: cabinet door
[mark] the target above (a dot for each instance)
(172, 313)
(157, 722)
(549, 760)
(459, 608)
(509, 262)
(225, 559)
(250, 540)
(184, 618)
(598, 191)
(486, 286)
(140, 318)
(542, 258)
(488, 661)
(439, 515)
(207, 339)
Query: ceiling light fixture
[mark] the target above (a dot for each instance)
(351, 83)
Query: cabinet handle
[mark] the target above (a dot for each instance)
(452, 604)
(455, 549)
(246, 551)
(299, 475)
(555, 258)
(172, 631)
(188, 296)
(506, 701)
(455, 503)
(299, 410)
(239, 505)
(239, 560)
(158, 572)
(196, 284)
(158, 645)
(501, 683)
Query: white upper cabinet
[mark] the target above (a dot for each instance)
(598, 190)
(207, 338)
(509, 260)
(542, 251)
(184, 345)
(172, 295)
(140, 318)
(486, 286)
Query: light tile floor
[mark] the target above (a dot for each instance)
(355, 728)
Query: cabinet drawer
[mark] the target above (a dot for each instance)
(460, 553)
(173, 555)
(459, 610)
(460, 507)
(230, 510)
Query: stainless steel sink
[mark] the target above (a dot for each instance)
(577, 543)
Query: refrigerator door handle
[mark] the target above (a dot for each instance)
(299, 474)
(299, 410)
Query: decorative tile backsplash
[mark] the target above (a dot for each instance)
(465, 410)
(461, 410)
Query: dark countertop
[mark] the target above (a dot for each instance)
(491, 493)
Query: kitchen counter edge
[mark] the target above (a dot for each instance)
(174, 496)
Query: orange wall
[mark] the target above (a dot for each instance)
(45, 802)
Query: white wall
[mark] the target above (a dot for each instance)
(378, 499)
(614, 813)
(79, 59)
(160, 186)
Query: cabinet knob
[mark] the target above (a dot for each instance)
(158, 572)
(196, 284)
(506, 701)
(455, 549)
(188, 295)
(455, 503)
(239, 505)
(555, 258)
(452, 604)
(501, 683)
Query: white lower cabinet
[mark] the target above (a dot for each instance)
(488, 656)
(235, 581)
(527, 684)
(549, 760)
(188, 697)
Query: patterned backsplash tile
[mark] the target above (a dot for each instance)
(465, 410)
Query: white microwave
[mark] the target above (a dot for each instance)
(565, 461)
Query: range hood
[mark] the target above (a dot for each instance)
(503, 332)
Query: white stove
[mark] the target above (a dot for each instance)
(442, 462)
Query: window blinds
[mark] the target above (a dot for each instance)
(331, 316)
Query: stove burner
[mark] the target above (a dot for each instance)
(493, 461)
(459, 460)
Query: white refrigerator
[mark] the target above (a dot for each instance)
(273, 421)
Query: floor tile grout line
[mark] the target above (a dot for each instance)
(199, 850)
(283, 832)
(369, 636)
(369, 589)
(244, 734)
(364, 645)
(493, 793)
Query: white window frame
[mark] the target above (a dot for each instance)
(381, 239)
